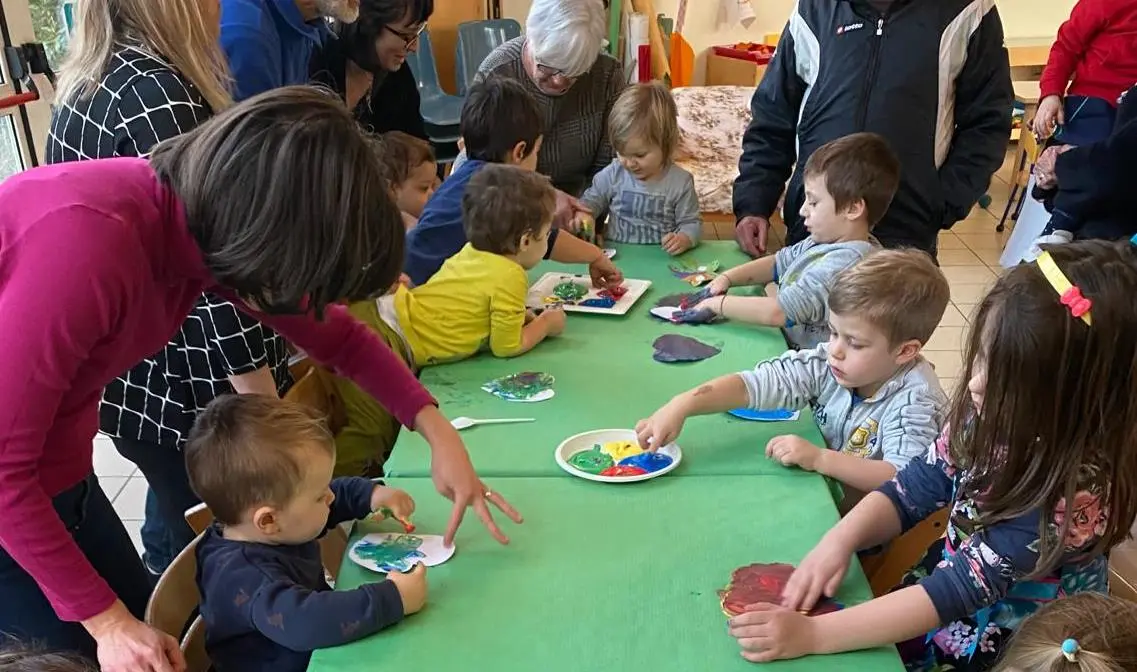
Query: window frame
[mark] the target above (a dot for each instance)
(32, 120)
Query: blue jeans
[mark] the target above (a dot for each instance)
(25, 613)
(158, 546)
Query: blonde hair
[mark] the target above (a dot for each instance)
(1105, 629)
(646, 111)
(174, 30)
(901, 292)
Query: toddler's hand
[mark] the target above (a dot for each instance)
(718, 286)
(412, 588)
(1048, 116)
(661, 428)
(677, 243)
(791, 449)
(821, 572)
(554, 320)
(398, 501)
(768, 632)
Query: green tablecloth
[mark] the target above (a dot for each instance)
(607, 379)
(603, 577)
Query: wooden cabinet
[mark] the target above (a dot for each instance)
(444, 33)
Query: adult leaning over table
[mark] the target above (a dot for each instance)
(275, 204)
(559, 60)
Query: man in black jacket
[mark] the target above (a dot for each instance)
(931, 76)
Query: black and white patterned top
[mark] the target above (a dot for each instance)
(141, 101)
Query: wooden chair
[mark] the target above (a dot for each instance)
(174, 603)
(1029, 151)
(193, 647)
(905, 551)
(1123, 569)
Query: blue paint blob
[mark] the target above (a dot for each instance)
(604, 302)
(771, 415)
(649, 462)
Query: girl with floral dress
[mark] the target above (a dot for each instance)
(1037, 462)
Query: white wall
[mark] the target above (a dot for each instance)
(1025, 21)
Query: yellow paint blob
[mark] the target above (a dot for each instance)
(621, 449)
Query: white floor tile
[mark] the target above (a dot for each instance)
(131, 501)
(968, 275)
(112, 485)
(984, 241)
(950, 241)
(107, 460)
(948, 363)
(969, 294)
(958, 258)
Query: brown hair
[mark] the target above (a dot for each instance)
(287, 201)
(1059, 414)
(901, 292)
(401, 153)
(499, 112)
(242, 452)
(1105, 629)
(503, 203)
(858, 167)
(645, 111)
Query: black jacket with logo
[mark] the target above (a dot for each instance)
(931, 76)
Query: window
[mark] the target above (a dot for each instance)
(11, 160)
(50, 27)
(23, 129)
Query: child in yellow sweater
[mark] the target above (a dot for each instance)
(475, 302)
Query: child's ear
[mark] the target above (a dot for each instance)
(461, 144)
(519, 152)
(856, 210)
(265, 520)
(908, 351)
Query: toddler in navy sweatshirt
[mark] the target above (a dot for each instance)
(263, 466)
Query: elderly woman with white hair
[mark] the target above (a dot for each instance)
(559, 60)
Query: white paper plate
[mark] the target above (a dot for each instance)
(431, 552)
(544, 287)
(586, 440)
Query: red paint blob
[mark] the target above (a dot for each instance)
(764, 583)
(622, 471)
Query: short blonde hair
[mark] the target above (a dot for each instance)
(645, 111)
(901, 292)
(243, 449)
(1105, 629)
(177, 31)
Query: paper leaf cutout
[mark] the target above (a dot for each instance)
(523, 386)
(761, 582)
(675, 348)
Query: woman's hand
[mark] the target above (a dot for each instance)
(768, 632)
(126, 644)
(1049, 116)
(567, 210)
(455, 479)
(820, 573)
(1044, 170)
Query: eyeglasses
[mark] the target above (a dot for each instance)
(553, 73)
(409, 39)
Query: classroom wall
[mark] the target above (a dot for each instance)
(1025, 21)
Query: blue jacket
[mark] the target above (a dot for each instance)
(268, 44)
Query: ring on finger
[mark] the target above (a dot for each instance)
(489, 493)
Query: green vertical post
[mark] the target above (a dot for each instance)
(615, 12)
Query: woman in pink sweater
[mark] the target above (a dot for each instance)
(276, 204)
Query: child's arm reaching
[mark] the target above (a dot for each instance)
(857, 472)
(511, 333)
(600, 193)
(568, 249)
(306, 620)
(664, 426)
(357, 498)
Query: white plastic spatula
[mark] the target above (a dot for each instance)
(466, 423)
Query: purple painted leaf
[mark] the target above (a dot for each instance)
(675, 348)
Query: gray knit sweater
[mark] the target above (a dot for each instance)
(576, 144)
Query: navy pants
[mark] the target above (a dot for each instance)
(87, 513)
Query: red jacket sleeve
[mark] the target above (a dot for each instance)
(59, 298)
(348, 347)
(1074, 36)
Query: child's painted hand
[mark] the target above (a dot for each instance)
(696, 315)
(554, 320)
(718, 286)
(412, 588)
(677, 243)
(604, 273)
(769, 632)
(393, 502)
(792, 450)
(662, 427)
(820, 573)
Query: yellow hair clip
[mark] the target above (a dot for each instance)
(1068, 293)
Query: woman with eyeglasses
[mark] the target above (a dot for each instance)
(366, 64)
(559, 60)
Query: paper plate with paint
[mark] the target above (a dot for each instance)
(614, 456)
(576, 294)
(399, 552)
(766, 415)
(527, 386)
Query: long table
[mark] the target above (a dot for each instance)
(606, 379)
(605, 577)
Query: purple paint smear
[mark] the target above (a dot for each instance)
(675, 348)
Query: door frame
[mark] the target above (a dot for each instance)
(33, 120)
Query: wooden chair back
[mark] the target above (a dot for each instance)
(904, 552)
(316, 390)
(175, 598)
(193, 648)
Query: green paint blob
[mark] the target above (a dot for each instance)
(520, 386)
(396, 553)
(591, 461)
(570, 292)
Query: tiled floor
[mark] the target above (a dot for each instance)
(969, 255)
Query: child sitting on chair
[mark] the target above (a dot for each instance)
(877, 401)
(501, 123)
(649, 199)
(263, 466)
(849, 184)
(475, 302)
(412, 170)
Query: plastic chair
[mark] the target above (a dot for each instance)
(438, 107)
(476, 39)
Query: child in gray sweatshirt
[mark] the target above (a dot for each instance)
(877, 401)
(849, 184)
